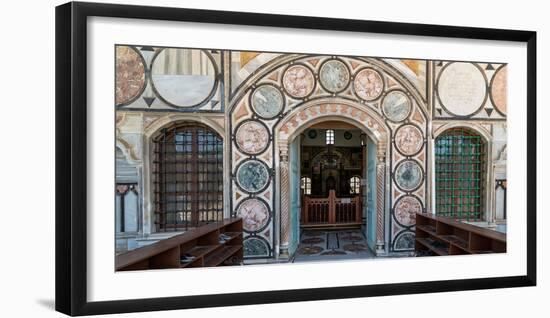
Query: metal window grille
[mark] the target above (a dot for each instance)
(188, 177)
(305, 185)
(354, 185)
(460, 174)
(329, 137)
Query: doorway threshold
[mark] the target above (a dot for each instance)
(327, 245)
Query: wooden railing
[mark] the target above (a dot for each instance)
(331, 211)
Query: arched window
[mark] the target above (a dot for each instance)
(460, 174)
(305, 185)
(187, 176)
(329, 136)
(355, 185)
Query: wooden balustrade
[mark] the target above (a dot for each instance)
(331, 211)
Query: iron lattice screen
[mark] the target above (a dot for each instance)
(187, 177)
(459, 174)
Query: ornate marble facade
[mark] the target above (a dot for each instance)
(260, 102)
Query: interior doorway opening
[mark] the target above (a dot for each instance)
(332, 175)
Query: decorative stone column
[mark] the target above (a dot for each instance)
(284, 169)
(380, 199)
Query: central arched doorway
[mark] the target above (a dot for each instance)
(331, 167)
(282, 99)
(333, 207)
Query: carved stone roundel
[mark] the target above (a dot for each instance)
(267, 101)
(396, 106)
(408, 175)
(368, 84)
(498, 90)
(130, 74)
(405, 241)
(461, 88)
(254, 213)
(406, 209)
(252, 137)
(408, 139)
(252, 176)
(254, 246)
(179, 84)
(298, 81)
(334, 76)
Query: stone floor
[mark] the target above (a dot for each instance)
(325, 245)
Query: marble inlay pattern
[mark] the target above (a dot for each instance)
(254, 213)
(332, 244)
(334, 76)
(499, 89)
(405, 241)
(130, 74)
(267, 101)
(406, 209)
(368, 84)
(461, 88)
(298, 81)
(409, 140)
(396, 106)
(252, 137)
(294, 94)
(255, 246)
(310, 250)
(408, 175)
(253, 176)
(177, 82)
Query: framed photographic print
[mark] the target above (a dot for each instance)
(208, 158)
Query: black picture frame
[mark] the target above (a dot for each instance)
(71, 157)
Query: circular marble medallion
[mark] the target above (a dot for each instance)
(408, 175)
(368, 84)
(405, 210)
(255, 246)
(356, 248)
(334, 76)
(404, 241)
(298, 81)
(252, 137)
(253, 176)
(254, 213)
(309, 250)
(130, 75)
(499, 88)
(267, 101)
(462, 88)
(178, 81)
(396, 106)
(409, 139)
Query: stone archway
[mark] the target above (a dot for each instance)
(328, 110)
(292, 93)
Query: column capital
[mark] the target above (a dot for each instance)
(283, 152)
(381, 155)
